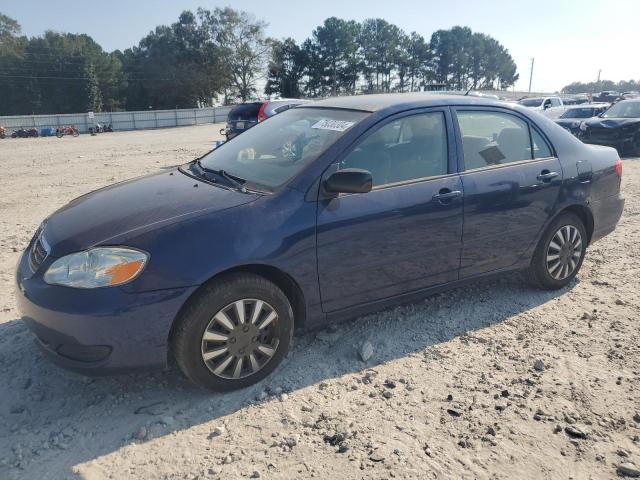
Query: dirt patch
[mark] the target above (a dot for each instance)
(495, 380)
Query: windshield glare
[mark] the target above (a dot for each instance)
(275, 150)
(531, 102)
(578, 113)
(623, 110)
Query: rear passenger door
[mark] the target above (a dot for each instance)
(511, 181)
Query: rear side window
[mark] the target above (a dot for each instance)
(541, 148)
(409, 148)
(495, 138)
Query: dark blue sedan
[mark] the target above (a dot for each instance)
(324, 212)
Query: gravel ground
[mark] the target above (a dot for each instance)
(491, 381)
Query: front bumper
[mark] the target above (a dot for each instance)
(98, 331)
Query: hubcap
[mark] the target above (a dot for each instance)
(240, 339)
(564, 252)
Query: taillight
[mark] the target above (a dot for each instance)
(619, 168)
(261, 115)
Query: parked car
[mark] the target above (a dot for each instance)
(551, 107)
(607, 96)
(573, 117)
(325, 212)
(630, 95)
(617, 127)
(244, 116)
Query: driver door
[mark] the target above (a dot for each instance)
(403, 235)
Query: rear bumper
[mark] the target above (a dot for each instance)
(98, 331)
(606, 214)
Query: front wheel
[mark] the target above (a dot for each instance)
(560, 253)
(234, 332)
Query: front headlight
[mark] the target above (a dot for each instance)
(97, 267)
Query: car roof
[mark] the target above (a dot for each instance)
(377, 102)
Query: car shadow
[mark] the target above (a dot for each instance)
(48, 413)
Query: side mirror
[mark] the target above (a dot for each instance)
(546, 105)
(349, 180)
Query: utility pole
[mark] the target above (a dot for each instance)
(599, 72)
(531, 74)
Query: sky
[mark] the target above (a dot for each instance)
(571, 40)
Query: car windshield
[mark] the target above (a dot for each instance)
(623, 110)
(531, 102)
(578, 113)
(275, 150)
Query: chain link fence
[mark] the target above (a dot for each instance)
(119, 120)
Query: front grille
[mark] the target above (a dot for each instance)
(38, 252)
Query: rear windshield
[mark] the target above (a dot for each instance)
(531, 102)
(578, 113)
(276, 149)
(245, 111)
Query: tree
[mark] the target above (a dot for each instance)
(92, 91)
(463, 59)
(286, 69)
(56, 72)
(181, 65)
(334, 49)
(595, 87)
(380, 42)
(244, 40)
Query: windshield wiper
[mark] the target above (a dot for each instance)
(237, 182)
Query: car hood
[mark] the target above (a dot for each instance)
(599, 122)
(132, 207)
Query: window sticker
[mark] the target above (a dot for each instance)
(335, 125)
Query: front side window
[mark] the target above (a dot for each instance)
(409, 148)
(275, 150)
(493, 138)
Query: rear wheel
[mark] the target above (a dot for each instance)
(559, 254)
(234, 333)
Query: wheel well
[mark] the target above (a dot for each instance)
(284, 281)
(584, 214)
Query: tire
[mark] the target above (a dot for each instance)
(547, 272)
(262, 347)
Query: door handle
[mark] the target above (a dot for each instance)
(547, 176)
(445, 195)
